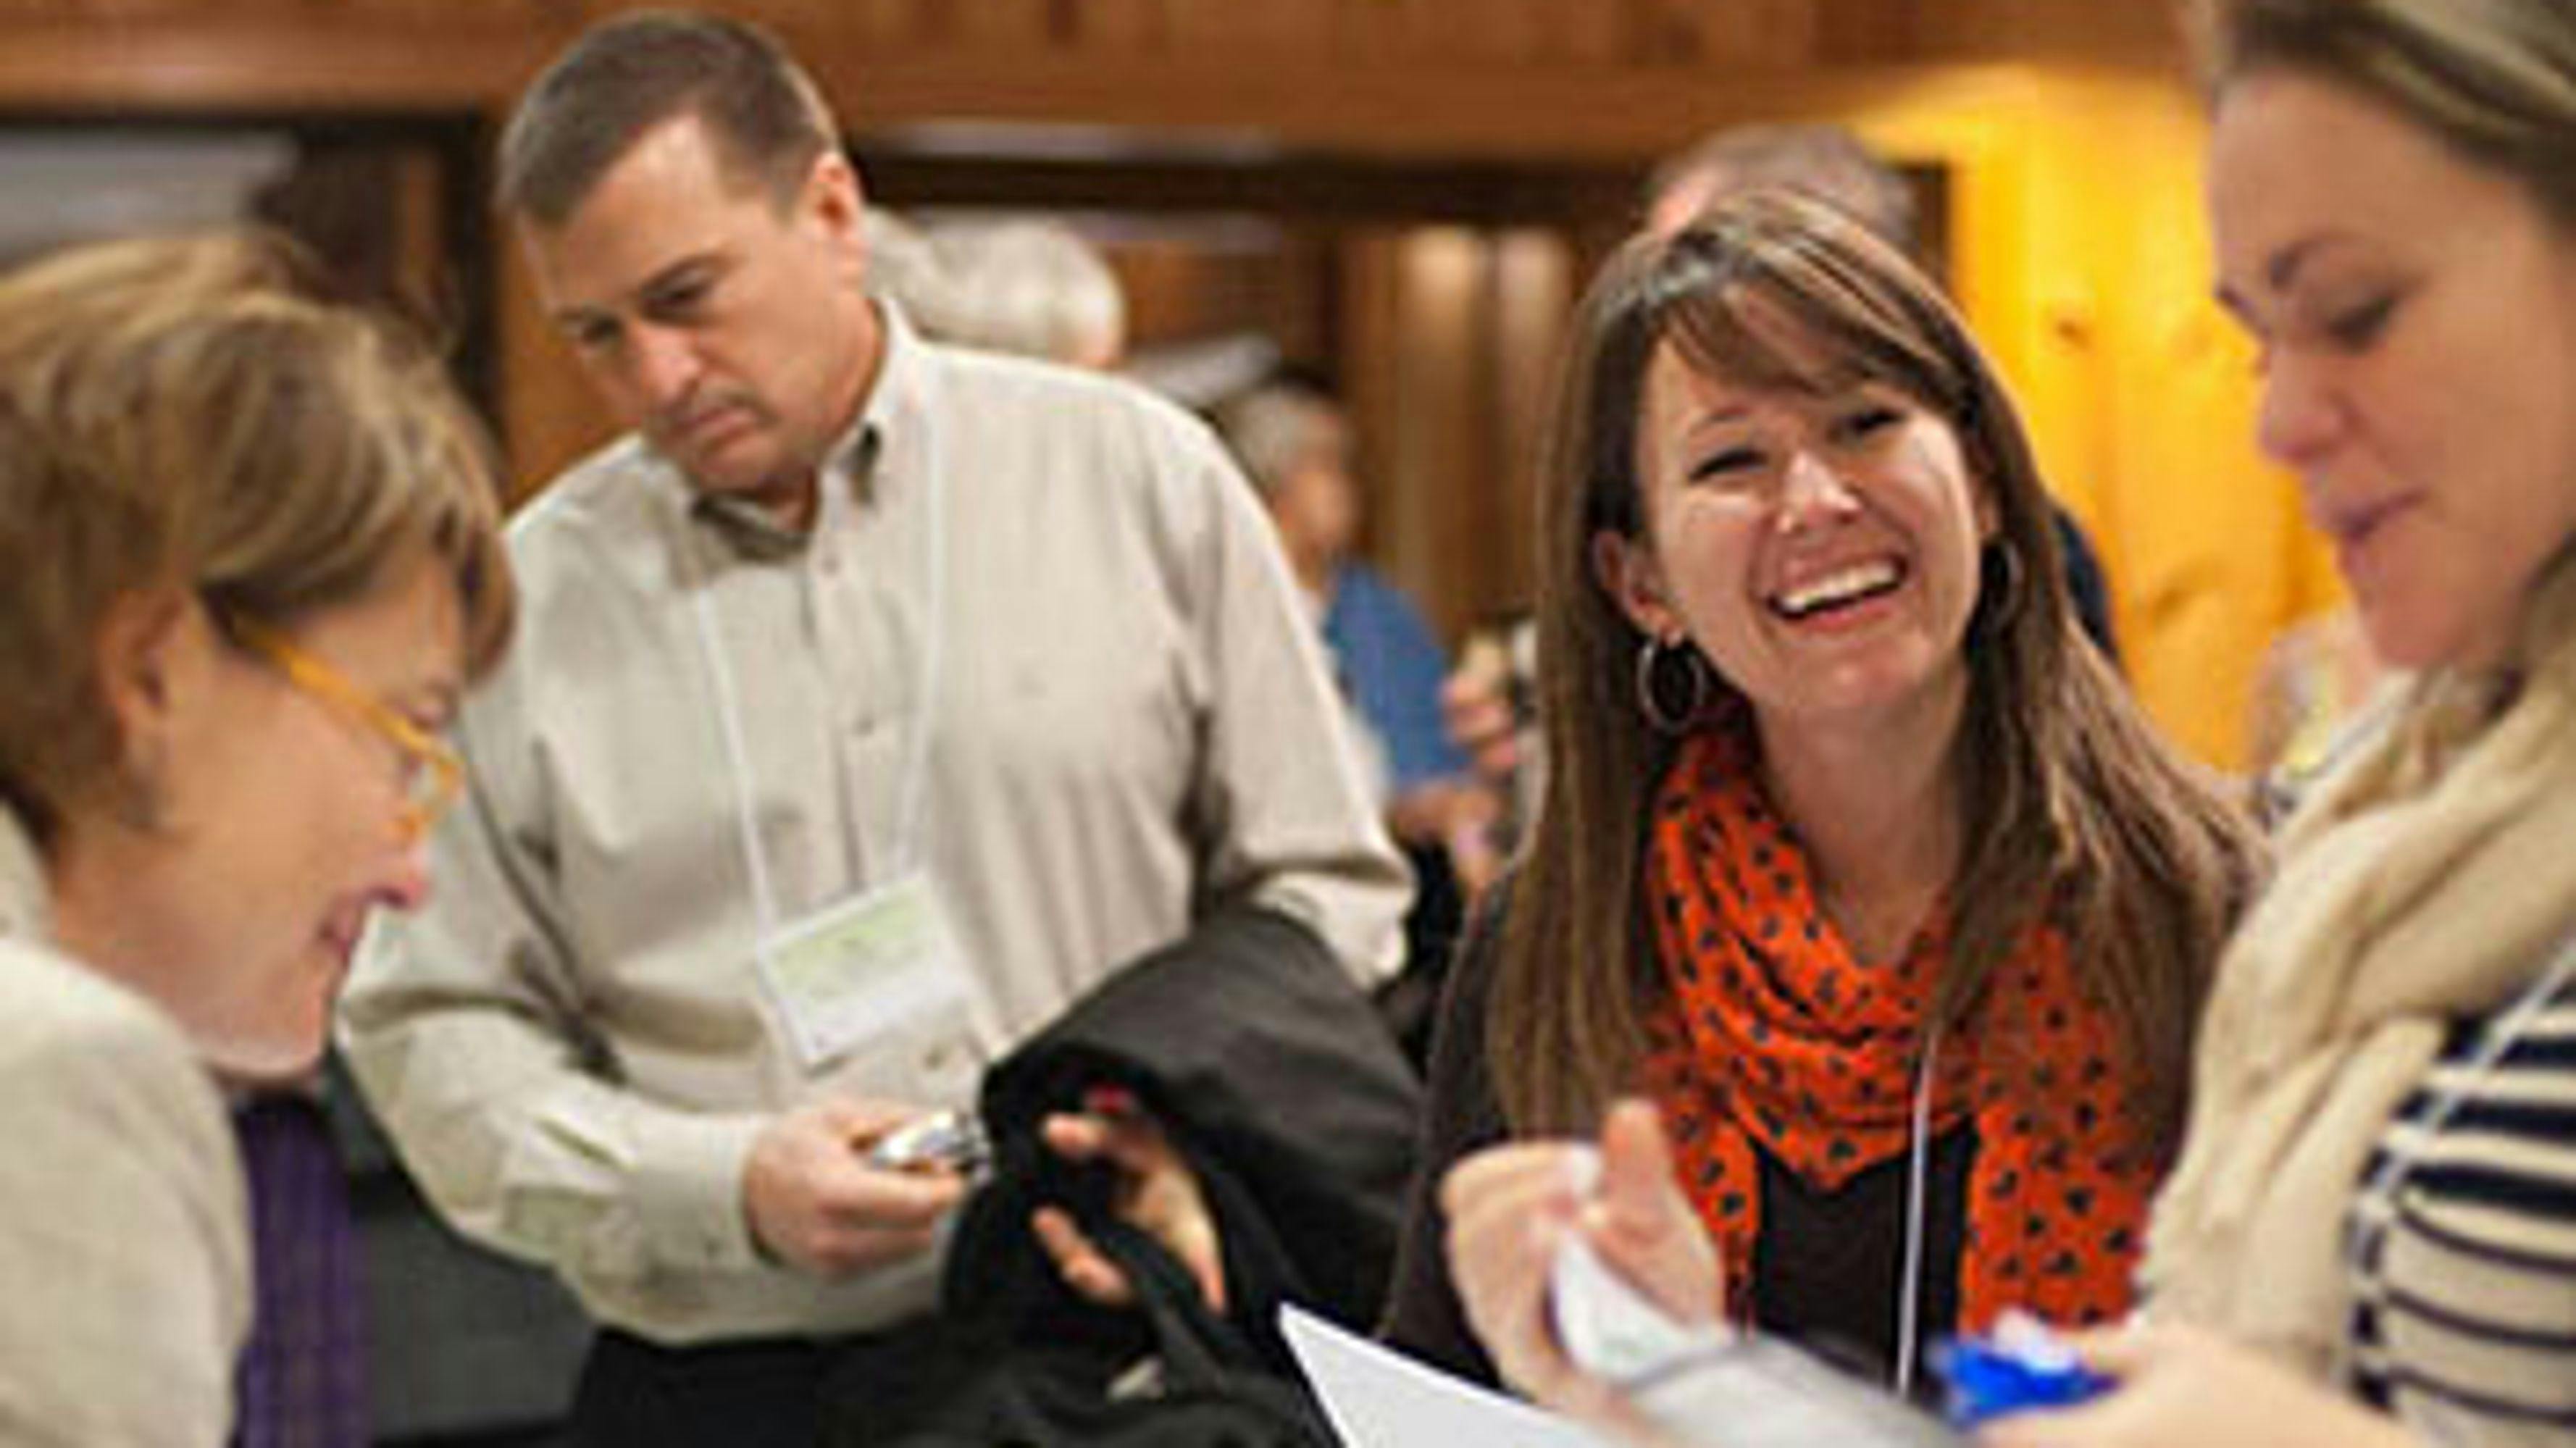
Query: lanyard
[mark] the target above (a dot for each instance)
(1918, 1165)
(912, 798)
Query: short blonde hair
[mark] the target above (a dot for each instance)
(193, 414)
(2495, 80)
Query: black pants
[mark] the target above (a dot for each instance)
(638, 1394)
(763, 1393)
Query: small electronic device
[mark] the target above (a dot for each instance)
(1709, 1384)
(2020, 1364)
(951, 1139)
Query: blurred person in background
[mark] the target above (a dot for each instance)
(1295, 444)
(1821, 162)
(253, 543)
(1023, 285)
(903, 267)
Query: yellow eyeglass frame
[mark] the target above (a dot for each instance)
(433, 774)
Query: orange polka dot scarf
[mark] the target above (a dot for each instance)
(1776, 1040)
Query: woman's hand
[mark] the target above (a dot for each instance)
(1511, 1206)
(2183, 1386)
(1157, 1193)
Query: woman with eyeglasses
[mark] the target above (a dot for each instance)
(250, 537)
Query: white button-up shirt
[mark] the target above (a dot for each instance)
(1129, 723)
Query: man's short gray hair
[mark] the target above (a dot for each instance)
(628, 76)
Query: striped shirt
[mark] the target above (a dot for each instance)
(2464, 1266)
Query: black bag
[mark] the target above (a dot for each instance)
(1269, 1072)
(1017, 1359)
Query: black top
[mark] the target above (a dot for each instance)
(1826, 1264)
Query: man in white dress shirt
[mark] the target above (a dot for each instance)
(873, 701)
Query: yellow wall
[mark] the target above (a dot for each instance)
(2080, 255)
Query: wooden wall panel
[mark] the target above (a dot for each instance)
(1517, 31)
(1262, 31)
(1755, 34)
(1654, 34)
(1007, 25)
(1125, 24)
(2062, 191)
(2128, 33)
(1537, 278)
(550, 415)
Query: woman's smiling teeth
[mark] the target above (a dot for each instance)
(1839, 589)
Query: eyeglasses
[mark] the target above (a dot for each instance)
(432, 773)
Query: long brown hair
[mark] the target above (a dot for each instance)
(2069, 802)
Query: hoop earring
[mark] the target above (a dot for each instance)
(1650, 662)
(2003, 590)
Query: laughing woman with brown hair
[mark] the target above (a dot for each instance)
(1855, 857)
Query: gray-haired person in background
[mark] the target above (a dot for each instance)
(1027, 286)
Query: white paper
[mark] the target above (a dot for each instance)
(1377, 1398)
(1756, 1392)
(1761, 1392)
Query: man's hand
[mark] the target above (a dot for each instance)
(1157, 1194)
(815, 1204)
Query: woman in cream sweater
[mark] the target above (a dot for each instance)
(251, 546)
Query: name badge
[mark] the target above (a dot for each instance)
(879, 969)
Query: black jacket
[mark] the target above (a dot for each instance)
(1269, 1068)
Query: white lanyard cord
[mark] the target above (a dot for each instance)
(1918, 1166)
(912, 802)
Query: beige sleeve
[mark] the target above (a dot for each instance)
(1295, 826)
(123, 1240)
(463, 1025)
